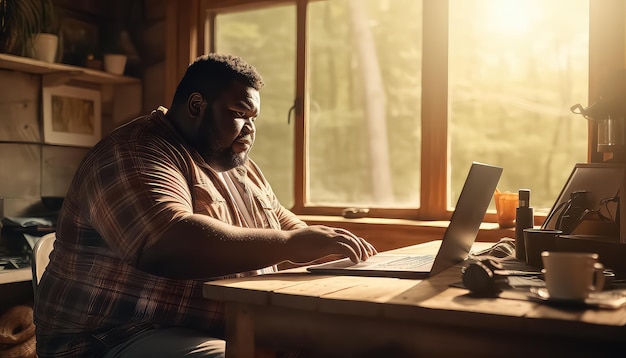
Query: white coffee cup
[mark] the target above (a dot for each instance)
(572, 275)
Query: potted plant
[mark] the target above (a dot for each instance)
(21, 21)
(114, 56)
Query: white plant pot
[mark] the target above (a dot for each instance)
(115, 64)
(45, 47)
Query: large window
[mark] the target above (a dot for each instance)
(384, 104)
(515, 69)
(364, 84)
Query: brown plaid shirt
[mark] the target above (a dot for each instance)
(130, 188)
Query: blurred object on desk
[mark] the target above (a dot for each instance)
(52, 203)
(506, 202)
(590, 201)
(19, 235)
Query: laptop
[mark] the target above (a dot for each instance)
(456, 243)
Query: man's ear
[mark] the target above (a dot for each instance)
(195, 104)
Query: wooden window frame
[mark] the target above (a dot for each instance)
(190, 32)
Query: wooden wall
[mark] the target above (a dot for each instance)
(29, 168)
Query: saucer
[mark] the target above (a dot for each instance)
(612, 299)
(542, 294)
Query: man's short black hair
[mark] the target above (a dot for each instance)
(210, 74)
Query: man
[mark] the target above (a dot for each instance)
(161, 205)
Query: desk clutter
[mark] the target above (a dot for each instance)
(586, 216)
(578, 255)
(18, 237)
(497, 272)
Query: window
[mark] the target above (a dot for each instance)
(269, 45)
(384, 103)
(364, 85)
(513, 75)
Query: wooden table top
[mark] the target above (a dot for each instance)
(421, 301)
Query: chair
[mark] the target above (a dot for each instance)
(41, 257)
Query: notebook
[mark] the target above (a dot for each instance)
(456, 243)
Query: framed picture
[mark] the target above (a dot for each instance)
(71, 116)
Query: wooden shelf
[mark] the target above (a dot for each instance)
(57, 73)
(18, 275)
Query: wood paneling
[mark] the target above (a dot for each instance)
(58, 167)
(20, 177)
(153, 95)
(21, 170)
(239, 5)
(19, 107)
(154, 10)
(183, 22)
(87, 7)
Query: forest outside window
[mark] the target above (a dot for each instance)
(400, 96)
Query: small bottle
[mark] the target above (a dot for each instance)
(523, 220)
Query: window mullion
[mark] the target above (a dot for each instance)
(301, 109)
(434, 161)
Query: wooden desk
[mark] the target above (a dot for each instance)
(341, 316)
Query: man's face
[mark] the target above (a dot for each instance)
(227, 130)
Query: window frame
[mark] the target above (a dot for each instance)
(194, 34)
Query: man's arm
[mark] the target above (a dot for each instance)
(202, 247)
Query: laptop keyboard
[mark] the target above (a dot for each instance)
(407, 263)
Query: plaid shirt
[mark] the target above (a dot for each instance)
(130, 188)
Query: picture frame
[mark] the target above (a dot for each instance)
(601, 184)
(71, 116)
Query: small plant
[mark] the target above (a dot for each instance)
(20, 20)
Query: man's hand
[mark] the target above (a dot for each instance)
(314, 242)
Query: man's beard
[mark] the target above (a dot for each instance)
(227, 160)
(220, 158)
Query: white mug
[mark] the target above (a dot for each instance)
(572, 275)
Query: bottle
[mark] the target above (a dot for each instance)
(523, 220)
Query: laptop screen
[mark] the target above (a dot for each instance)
(468, 214)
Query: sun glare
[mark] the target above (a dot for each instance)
(510, 17)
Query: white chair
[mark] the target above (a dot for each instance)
(41, 257)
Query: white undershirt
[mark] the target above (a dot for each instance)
(243, 205)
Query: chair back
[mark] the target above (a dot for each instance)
(41, 257)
